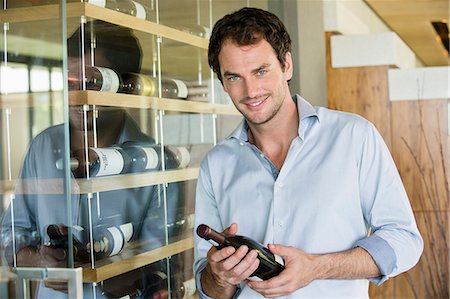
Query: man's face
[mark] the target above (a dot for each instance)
(255, 80)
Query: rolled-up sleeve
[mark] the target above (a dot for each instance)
(395, 244)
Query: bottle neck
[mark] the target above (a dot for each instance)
(208, 233)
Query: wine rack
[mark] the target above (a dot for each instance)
(150, 34)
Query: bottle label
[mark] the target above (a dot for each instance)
(148, 85)
(181, 154)
(117, 240)
(111, 80)
(140, 10)
(279, 259)
(111, 161)
(127, 231)
(255, 278)
(189, 288)
(101, 3)
(181, 87)
(152, 157)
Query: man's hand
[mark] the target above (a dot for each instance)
(227, 267)
(300, 270)
(44, 256)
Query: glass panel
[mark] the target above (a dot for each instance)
(101, 145)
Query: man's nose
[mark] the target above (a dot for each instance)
(251, 87)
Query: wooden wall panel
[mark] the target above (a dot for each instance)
(420, 152)
(416, 133)
(360, 90)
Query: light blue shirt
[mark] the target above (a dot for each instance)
(337, 184)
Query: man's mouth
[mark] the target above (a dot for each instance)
(256, 103)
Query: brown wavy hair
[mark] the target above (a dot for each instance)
(248, 26)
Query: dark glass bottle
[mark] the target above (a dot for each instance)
(145, 85)
(268, 266)
(101, 162)
(96, 78)
(109, 241)
(58, 238)
(146, 157)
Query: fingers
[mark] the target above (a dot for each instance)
(231, 230)
(53, 254)
(231, 265)
(57, 285)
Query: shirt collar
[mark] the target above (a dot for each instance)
(305, 111)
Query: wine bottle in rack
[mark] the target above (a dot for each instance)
(270, 265)
(195, 29)
(101, 162)
(197, 91)
(109, 241)
(130, 158)
(147, 157)
(58, 238)
(96, 78)
(140, 84)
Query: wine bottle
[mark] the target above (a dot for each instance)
(270, 265)
(195, 29)
(109, 241)
(101, 162)
(146, 157)
(96, 78)
(140, 84)
(58, 238)
(184, 290)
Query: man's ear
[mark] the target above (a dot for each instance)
(288, 66)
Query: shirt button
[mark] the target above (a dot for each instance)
(262, 155)
(280, 223)
(280, 185)
(241, 143)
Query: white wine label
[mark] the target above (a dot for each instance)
(140, 10)
(152, 157)
(111, 161)
(117, 237)
(127, 231)
(111, 82)
(279, 259)
(213, 243)
(182, 88)
(255, 278)
(148, 85)
(189, 288)
(101, 3)
(182, 155)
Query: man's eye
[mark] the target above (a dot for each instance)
(232, 78)
(262, 72)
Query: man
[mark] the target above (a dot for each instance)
(33, 212)
(309, 182)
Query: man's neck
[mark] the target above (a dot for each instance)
(274, 138)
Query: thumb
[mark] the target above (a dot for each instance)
(231, 230)
(279, 249)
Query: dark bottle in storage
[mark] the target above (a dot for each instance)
(152, 285)
(96, 78)
(110, 240)
(268, 266)
(140, 84)
(58, 238)
(130, 158)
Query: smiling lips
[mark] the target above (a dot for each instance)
(253, 104)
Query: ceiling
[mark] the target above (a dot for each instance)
(411, 20)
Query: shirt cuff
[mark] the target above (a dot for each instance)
(202, 294)
(383, 255)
